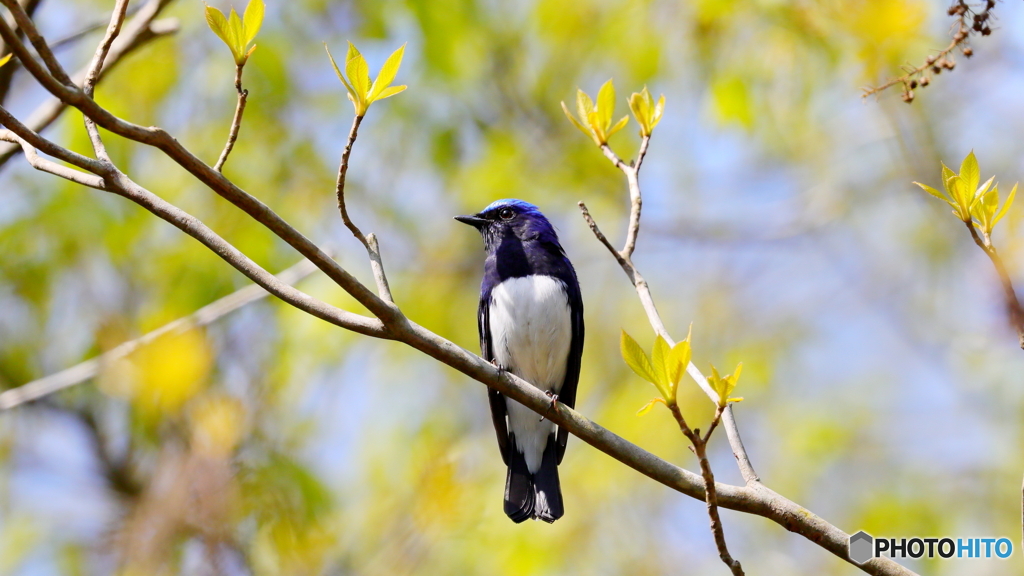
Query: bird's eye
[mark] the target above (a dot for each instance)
(506, 214)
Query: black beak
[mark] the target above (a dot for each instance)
(474, 221)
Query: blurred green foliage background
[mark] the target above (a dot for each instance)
(883, 387)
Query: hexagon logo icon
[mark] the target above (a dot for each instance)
(861, 547)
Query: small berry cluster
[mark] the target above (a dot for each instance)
(969, 21)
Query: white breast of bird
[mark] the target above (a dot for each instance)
(531, 332)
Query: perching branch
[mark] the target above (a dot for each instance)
(236, 122)
(203, 317)
(390, 323)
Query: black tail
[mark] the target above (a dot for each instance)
(533, 495)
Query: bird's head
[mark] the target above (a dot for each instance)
(510, 217)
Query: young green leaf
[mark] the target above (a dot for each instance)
(387, 73)
(574, 121)
(636, 358)
(646, 112)
(596, 121)
(1006, 206)
(724, 385)
(358, 72)
(252, 21)
(356, 78)
(584, 106)
(675, 364)
(605, 104)
(936, 193)
(219, 24)
(660, 358)
(618, 126)
(390, 91)
(235, 33)
(947, 175)
(969, 172)
(647, 407)
(986, 208)
(963, 197)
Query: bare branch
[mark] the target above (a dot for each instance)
(377, 265)
(92, 75)
(25, 25)
(44, 165)
(342, 173)
(7, 72)
(1011, 302)
(236, 122)
(118, 183)
(699, 446)
(202, 317)
(138, 32)
(113, 29)
(162, 140)
(369, 242)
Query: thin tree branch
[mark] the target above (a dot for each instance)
(86, 30)
(204, 316)
(7, 72)
(138, 32)
(1013, 306)
(44, 165)
(236, 122)
(699, 447)
(118, 183)
(162, 140)
(644, 293)
(369, 241)
(339, 189)
(92, 75)
(25, 25)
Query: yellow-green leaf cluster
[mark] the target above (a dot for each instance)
(4, 59)
(724, 385)
(664, 368)
(596, 120)
(646, 112)
(361, 91)
(971, 203)
(237, 32)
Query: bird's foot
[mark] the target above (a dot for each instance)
(554, 402)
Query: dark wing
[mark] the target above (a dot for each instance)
(567, 394)
(497, 401)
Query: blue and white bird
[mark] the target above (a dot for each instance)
(531, 324)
